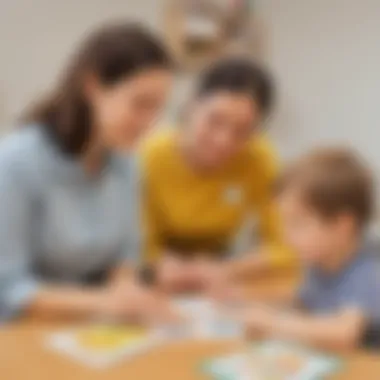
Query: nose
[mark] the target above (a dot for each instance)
(223, 141)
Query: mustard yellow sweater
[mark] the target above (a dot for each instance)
(185, 209)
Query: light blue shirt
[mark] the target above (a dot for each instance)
(57, 224)
(356, 285)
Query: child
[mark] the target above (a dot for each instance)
(326, 201)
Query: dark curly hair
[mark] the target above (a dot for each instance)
(240, 76)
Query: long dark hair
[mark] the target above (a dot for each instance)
(112, 53)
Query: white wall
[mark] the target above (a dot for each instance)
(36, 37)
(326, 56)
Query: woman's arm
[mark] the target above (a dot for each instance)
(267, 257)
(18, 284)
(272, 253)
(20, 290)
(132, 249)
(340, 331)
(66, 302)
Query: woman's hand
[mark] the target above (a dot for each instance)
(128, 300)
(176, 274)
(217, 283)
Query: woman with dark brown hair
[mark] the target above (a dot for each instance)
(68, 211)
(208, 198)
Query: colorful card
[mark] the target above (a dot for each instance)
(204, 320)
(102, 345)
(273, 360)
(229, 367)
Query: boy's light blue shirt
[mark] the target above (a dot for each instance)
(56, 223)
(356, 285)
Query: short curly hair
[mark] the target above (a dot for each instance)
(240, 76)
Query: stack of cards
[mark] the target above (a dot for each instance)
(203, 320)
(275, 361)
(100, 346)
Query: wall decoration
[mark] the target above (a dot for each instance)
(201, 30)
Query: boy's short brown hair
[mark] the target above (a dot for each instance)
(332, 181)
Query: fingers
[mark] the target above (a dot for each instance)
(179, 277)
(161, 311)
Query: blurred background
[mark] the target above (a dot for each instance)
(325, 55)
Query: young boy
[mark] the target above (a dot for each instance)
(326, 201)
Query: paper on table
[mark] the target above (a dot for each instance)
(203, 320)
(273, 360)
(100, 346)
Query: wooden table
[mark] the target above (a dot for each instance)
(24, 357)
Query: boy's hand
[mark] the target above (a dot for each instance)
(259, 320)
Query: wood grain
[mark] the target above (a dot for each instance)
(23, 355)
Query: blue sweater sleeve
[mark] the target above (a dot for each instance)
(17, 283)
(132, 248)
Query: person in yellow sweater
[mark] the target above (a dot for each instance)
(211, 175)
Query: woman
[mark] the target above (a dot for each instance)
(205, 180)
(68, 213)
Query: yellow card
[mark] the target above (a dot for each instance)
(101, 345)
(103, 337)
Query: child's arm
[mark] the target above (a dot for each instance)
(340, 331)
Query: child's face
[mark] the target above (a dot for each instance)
(313, 237)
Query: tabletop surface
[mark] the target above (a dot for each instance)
(23, 356)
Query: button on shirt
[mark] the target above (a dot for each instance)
(58, 224)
